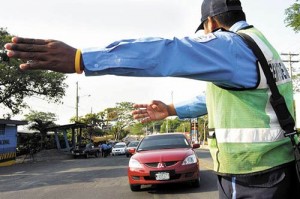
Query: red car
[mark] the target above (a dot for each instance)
(163, 158)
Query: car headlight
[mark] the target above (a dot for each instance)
(133, 163)
(190, 160)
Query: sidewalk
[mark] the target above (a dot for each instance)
(44, 155)
(205, 147)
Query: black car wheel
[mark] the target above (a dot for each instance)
(196, 183)
(135, 187)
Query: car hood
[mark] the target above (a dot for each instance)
(162, 155)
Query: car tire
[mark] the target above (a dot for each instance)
(127, 155)
(86, 156)
(135, 187)
(196, 183)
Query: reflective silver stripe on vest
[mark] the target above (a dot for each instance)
(250, 135)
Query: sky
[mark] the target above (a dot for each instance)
(97, 23)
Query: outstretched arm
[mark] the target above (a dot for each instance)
(154, 111)
(158, 110)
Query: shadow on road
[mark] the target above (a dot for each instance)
(61, 172)
(183, 188)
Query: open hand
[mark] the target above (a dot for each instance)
(42, 54)
(154, 111)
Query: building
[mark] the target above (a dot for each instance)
(8, 141)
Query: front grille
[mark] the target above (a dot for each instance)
(155, 164)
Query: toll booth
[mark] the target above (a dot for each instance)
(8, 141)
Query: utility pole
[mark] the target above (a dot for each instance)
(77, 101)
(290, 61)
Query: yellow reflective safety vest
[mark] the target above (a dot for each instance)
(246, 136)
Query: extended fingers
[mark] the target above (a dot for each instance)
(145, 120)
(26, 55)
(141, 113)
(30, 41)
(140, 105)
(33, 65)
(25, 47)
(20, 44)
(28, 47)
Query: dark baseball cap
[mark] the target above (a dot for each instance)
(212, 8)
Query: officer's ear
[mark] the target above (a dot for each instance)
(210, 25)
(214, 23)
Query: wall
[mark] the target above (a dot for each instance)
(8, 144)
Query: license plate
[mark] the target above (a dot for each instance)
(162, 176)
(77, 153)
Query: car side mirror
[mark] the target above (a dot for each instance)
(195, 146)
(131, 150)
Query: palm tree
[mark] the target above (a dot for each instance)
(40, 121)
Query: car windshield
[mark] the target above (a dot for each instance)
(168, 141)
(133, 144)
(119, 146)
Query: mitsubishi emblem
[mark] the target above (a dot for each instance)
(161, 165)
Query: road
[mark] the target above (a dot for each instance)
(101, 178)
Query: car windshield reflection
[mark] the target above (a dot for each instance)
(163, 142)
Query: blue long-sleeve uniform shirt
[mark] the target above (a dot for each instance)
(220, 57)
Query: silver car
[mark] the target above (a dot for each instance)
(119, 149)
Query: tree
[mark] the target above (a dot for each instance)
(121, 115)
(137, 129)
(94, 121)
(293, 17)
(185, 126)
(16, 85)
(124, 118)
(292, 20)
(170, 125)
(40, 121)
(203, 127)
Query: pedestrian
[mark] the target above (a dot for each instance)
(251, 156)
(104, 149)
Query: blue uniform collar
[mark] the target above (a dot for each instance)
(238, 25)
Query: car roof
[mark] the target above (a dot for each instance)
(120, 143)
(133, 141)
(166, 135)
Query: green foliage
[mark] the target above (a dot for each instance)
(119, 118)
(137, 129)
(121, 123)
(170, 125)
(95, 121)
(203, 127)
(16, 85)
(40, 121)
(123, 118)
(185, 126)
(293, 17)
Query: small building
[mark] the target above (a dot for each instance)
(8, 141)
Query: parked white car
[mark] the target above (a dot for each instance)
(119, 149)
